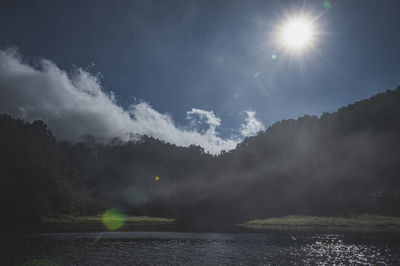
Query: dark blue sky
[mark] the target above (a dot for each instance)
(179, 55)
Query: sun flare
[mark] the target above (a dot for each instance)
(297, 34)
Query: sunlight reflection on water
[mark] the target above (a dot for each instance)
(160, 248)
(331, 249)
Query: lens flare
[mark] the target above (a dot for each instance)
(97, 239)
(135, 196)
(327, 4)
(157, 178)
(113, 219)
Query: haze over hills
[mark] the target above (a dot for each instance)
(342, 163)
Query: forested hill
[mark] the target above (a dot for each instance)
(345, 162)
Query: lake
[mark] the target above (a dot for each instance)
(158, 248)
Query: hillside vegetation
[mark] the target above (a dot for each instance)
(342, 163)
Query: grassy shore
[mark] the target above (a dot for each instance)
(99, 219)
(361, 222)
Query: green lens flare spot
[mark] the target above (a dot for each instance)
(113, 219)
(327, 4)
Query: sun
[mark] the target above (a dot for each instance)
(297, 34)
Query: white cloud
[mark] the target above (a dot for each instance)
(209, 116)
(252, 125)
(75, 105)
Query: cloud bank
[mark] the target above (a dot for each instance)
(75, 105)
(252, 125)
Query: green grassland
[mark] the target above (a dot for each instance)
(360, 222)
(98, 219)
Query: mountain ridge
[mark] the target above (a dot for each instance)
(343, 162)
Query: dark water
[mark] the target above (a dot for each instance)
(159, 248)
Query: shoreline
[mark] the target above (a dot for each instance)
(322, 229)
(320, 224)
(360, 223)
(134, 227)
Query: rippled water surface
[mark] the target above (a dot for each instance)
(155, 248)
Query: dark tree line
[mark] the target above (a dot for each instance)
(342, 163)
